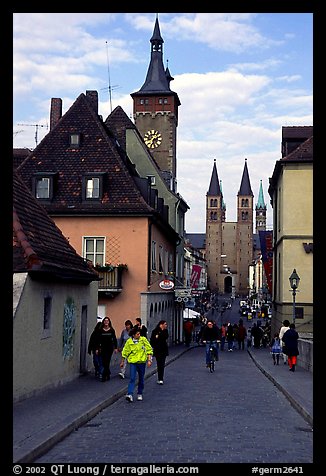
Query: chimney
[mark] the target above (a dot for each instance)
(93, 99)
(55, 112)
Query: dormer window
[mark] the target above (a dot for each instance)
(93, 186)
(43, 185)
(74, 140)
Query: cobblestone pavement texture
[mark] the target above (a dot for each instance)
(234, 415)
(247, 411)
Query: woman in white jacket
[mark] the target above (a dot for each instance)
(284, 328)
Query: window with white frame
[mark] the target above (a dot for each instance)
(94, 250)
(42, 187)
(93, 187)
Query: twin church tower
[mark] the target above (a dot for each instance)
(229, 246)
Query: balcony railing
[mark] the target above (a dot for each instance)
(110, 280)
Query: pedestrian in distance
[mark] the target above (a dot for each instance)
(159, 343)
(106, 344)
(141, 327)
(188, 328)
(223, 336)
(124, 336)
(285, 327)
(249, 338)
(257, 335)
(92, 345)
(290, 339)
(276, 348)
(211, 337)
(241, 335)
(137, 350)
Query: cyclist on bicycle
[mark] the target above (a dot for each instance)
(210, 336)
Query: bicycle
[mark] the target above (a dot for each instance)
(212, 355)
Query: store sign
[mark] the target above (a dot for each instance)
(166, 284)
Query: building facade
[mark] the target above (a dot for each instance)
(229, 245)
(291, 192)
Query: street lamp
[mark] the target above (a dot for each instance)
(294, 283)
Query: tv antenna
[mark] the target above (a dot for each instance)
(17, 132)
(110, 88)
(36, 128)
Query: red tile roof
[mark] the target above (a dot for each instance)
(39, 246)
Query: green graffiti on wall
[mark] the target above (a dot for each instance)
(69, 328)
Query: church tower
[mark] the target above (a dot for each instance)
(215, 216)
(244, 231)
(261, 211)
(155, 111)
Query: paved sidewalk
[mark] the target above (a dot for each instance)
(42, 421)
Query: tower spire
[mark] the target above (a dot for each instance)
(261, 202)
(214, 186)
(245, 187)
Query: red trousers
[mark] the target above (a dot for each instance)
(292, 360)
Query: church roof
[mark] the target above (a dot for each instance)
(245, 187)
(261, 202)
(214, 186)
(158, 79)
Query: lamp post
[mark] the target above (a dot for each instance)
(294, 283)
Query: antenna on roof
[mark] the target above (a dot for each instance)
(110, 88)
(36, 128)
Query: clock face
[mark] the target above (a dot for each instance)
(152, 139)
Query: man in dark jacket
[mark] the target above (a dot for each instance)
(159, 342)
(210, 336)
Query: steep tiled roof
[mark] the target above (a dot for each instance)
(19, 155)
(303, 152)
(39, 247)
(118, 122)
(99, 152)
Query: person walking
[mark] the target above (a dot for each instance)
(223, 336)
(285, 327)
(257, 335)
(137, 350)
(106, 344)
(159, 343)
(188, 328)
(210, 337)
(141, 327)
(242, 333)
(124, 336)
(290, 339)
(92, 345)
(276, 349)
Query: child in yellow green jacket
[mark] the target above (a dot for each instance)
(137, 350)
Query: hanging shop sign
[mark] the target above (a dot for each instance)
(166, 284)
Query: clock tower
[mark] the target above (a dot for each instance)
(155, 111)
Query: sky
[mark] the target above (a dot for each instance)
(240, 77)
